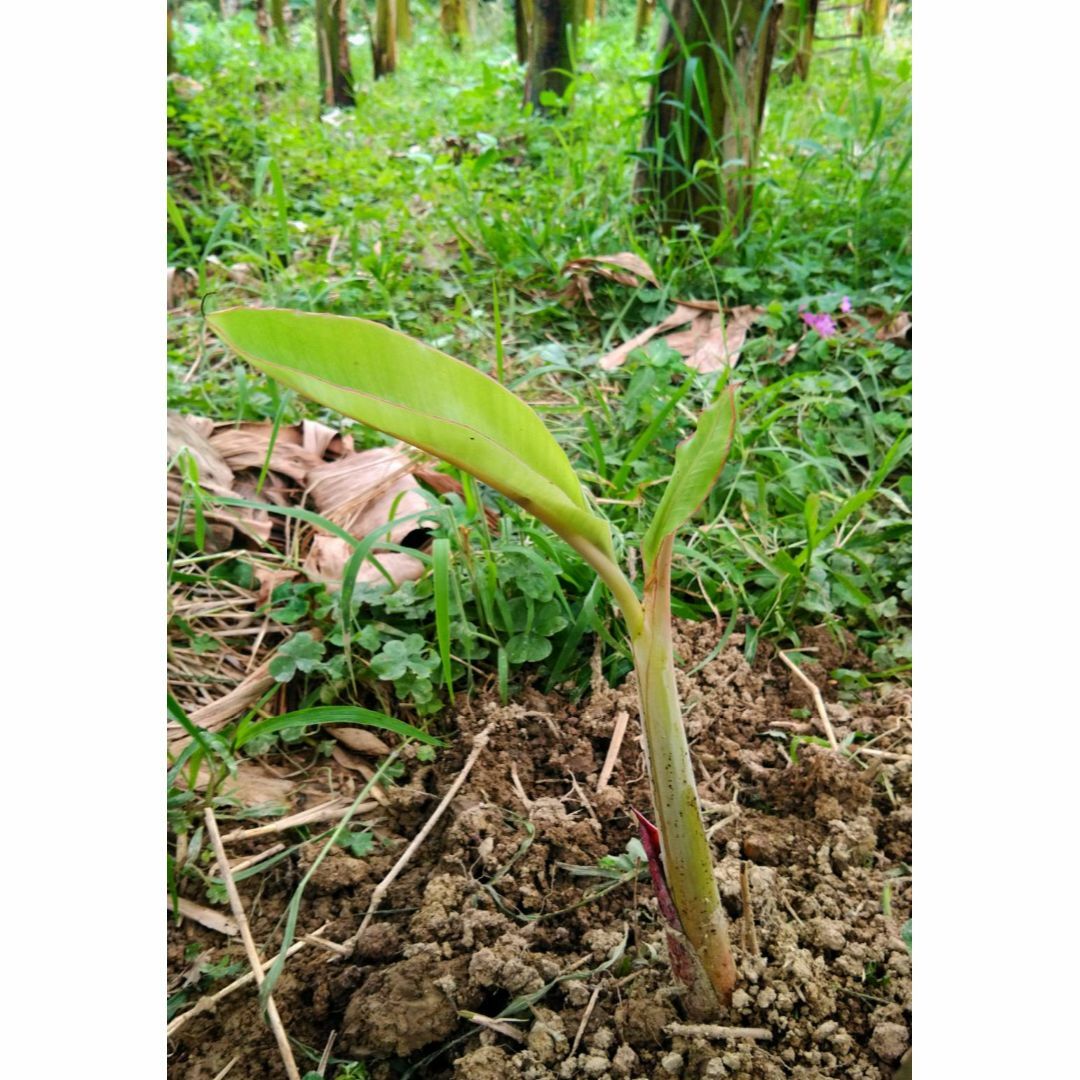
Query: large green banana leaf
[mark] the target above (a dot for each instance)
(422, 396)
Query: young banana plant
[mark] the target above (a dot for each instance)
(453, 411)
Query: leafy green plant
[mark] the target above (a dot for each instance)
(424, 397)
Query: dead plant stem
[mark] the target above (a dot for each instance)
(249, 945)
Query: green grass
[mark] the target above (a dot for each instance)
(438, 206)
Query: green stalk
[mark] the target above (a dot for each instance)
(684, 846)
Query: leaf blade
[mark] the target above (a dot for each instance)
(421, 396)
(318, 716)
(698, 462)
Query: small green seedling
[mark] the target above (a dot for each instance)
(455, 412)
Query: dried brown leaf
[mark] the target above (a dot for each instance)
(328, 555)
(359, 739)
(683, 313)
(722, 341)
(245, 447)
(624, 267)
(896, 329)
(186, 432)
(345, 759)
(790, 352)
(361, 492)
(689, 340)
(320, 441)
(252, 785)
(181, 283)
(205, 916)
(710, 342)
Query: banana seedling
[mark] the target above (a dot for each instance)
(421, 396)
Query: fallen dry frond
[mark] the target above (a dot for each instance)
(624, 267)
(714, 338)
(221, 635)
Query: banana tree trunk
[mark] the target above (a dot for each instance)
(523, 14)
(262, 21)
(874, 14)
(703, 120)
(278, 21)
(643, 18)
(795, 38)
(550, 62)
(404, 22)
(384, 38)
(454, 17)
(171, 55)
(332, 38)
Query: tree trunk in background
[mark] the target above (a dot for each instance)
(454, 16)
(588, 11)
(171, 61)
(795, 38)
(262, 21)
(332, 39)
(643, 18)
(874, 14)
(277, 18)
(523, 11)
(691, 131)
(550, 66)
(404, 22)
(384, 38)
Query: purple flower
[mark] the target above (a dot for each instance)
(845, 304)
(823, 324)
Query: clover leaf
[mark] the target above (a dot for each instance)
(299, 653)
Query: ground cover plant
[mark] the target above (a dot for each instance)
(439, 207)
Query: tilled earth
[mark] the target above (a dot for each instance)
(489, 916)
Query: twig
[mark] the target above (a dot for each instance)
(582, 798)
(622, 718)
(503, 1027)
(325, 811)
(210, 1002)
(228, 1068)
(325, 1059)
(819, 702)
(585, 1020)
(791, 911)
(220, 712)
(516, 780)
(251, 860)
(715, 1031)
(333, 946)
(249, 946)
(479, 743)
(885, 755)
(750, 940)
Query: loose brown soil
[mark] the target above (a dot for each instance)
(823, 840)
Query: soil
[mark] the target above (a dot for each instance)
(825, 840)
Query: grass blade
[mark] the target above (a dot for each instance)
(334, 714)
(441, 562)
